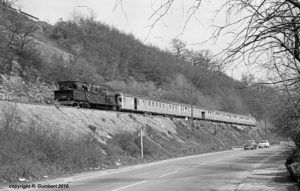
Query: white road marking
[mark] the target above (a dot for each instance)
(168, 174)
(216, 160)
(195, 166)
(199, 165)
(129, 185)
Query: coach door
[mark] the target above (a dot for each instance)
(203, 114)
(135, 103)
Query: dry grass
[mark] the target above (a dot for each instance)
(75, 122)
(39, 140)
(35, 152)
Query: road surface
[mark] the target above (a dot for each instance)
(230, 170)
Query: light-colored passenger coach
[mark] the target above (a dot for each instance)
(130, 102)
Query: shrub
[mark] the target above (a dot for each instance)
(149, 147)
(37, 153)
(127, 142)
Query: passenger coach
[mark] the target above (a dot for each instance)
(130, 102)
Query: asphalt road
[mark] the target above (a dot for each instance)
(229, 170)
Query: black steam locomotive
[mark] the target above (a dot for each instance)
(74, 93)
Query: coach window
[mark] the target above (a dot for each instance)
(124, 99)
(156, 104)
(138, 102)
(160, 105)
(152, 103)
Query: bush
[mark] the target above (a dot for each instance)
(127, 142)
(149, 147)
(37, 153)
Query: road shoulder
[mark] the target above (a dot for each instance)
(270, 176)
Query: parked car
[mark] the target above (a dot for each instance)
(253, 142)
(249, 146)
(263, 144)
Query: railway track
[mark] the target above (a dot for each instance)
(58, 106)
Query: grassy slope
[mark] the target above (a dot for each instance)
(113, 143)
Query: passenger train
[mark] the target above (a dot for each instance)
(84, 95)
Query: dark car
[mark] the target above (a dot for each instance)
(249, 146)
(253, 142)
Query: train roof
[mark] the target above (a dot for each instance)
(87, 84)
(156, 99)
(178, 103)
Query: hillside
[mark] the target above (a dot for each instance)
(87, 50)
(38, 140)
(50, 141)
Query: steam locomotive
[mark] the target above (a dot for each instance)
(74, 93)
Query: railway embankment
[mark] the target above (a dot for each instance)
(40, 141)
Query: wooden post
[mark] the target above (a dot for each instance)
(192, 109)
(142, 146)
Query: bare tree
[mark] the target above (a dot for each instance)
(202, 59)
(178, 47)
(266, 33)
(16, 37)
(7, 3)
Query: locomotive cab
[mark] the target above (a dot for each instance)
(70, 92)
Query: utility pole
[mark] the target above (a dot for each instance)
(192, 109)
(192, 99)
(142, 146)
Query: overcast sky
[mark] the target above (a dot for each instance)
(133, 16)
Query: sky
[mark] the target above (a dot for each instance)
(134, 16)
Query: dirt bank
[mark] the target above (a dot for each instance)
(62, 140)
